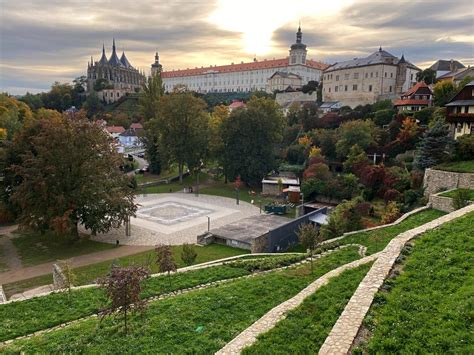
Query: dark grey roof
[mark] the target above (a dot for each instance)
(328, 104)
(446, 65)
(114, 59)
(103, 60)
(124, 61)
(284, 74)
(458, 74)
(461, 103)
(379, 57)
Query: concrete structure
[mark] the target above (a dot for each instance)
(460, 112)
(270, 185)
(442, 66)
(415, 99)
(118, 77)
(281, 81)
(245, 77)
(438, 180)
(362, 81)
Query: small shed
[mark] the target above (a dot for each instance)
(271, 186)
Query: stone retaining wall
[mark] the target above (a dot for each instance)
(438, 180)
(443, 203)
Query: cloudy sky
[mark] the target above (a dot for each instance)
(42, 41)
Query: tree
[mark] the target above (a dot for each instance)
(465, 147)
(428, 76)
(309, 238)
(33, 100)
(165, 261)
(391, 214)
(435, 147)
(182, 127)
(123, 287)
(250, 139)
(93, 105)
(68, 174)
(150, 96)
(356, 159)
(310, 87)
(216, 143)
(69, 276)
(383, 117)
(443, 91)
(188, 255)
(362, 133)
(308, 116)
(101, 84)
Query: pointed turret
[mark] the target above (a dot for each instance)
(103, 59)
(114, 59)
(156, 67)
(124, 61)
(402, 59)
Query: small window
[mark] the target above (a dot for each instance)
(345, 87)
(370, 88)
(385, 74)
(336, 88)
(366, 75)
(391, 75)
(356, 75)
(390, 89)
(329, 89)
(354, 87)
(346, 76)
(337, 77)
(372, 75)
(376, 74)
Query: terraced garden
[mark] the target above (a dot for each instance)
(428, 308)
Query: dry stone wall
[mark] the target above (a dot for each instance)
(437, 180)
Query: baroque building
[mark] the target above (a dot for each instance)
(367, 80)
(113, 78)
(245, 77)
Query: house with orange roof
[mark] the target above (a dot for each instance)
(415, 99)
(245, 77)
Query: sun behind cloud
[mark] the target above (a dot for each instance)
(257, 20)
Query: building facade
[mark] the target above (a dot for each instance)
(415, 99)
(363, 81)
(245, 77)
(460, 112)
(442, 66)
(281, 81)
(113, 78)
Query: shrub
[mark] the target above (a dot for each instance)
(383, 117)
(365, 209)
(460, 199)
(295, 154)
(269, 263)
(465, 147)
(188, 255)
(309, 238)
(6, 216)
(391, 195)
(164, 259)
(319, 171)
(424, 116)
(391, 214)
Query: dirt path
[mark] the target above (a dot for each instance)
(19, 273)
(10, 257)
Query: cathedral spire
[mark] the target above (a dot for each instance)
(103, 59)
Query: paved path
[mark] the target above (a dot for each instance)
(77, 261)
(278, 313)
(345, 330)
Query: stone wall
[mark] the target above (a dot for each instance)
(437, 180)
(3, 298)
(287, 97)
(442, 203)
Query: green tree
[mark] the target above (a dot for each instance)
(362, 133)
(189, 254)
(428, 76)
(150, 96)
(460, 199)
(33, 100)
(92, 105)
(64, 181)
(435, 147)
(165, 261)
(383, 117)
(250, 139)
(309, 237)
(356, 158)
(182, 124)
(444, 91)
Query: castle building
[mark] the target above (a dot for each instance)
(113, 78)
(245, 77)
(362, 81)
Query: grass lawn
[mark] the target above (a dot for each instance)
(34, 248)
(88, 274)
(174, 186)
(198, 322)
(376, 240)
(452, 194)
(147, 177)
(305, 328)
(457, 166)
(428, 308)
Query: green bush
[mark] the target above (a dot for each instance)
(465, 147)
(266, 263)
(460, 198)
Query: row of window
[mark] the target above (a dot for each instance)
(341, 88)
(356, 76)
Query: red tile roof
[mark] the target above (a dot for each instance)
(415, 88)
(236, 104)
(265, 64)
(411, 102)
(115, 129)
(136, 126)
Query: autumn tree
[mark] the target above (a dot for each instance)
(165, 261)
(250, 138)
(362, 133)
(67, 174)
(123, 287)
(310, 238)
(444, 91)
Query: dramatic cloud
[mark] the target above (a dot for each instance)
(52, 40)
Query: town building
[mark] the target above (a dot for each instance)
(442, 66)
(281, 81)
(415, 99)
(458, 75)
(131, 137)
(362, 81)
(113, 78)
(460, 112)
(245, 77)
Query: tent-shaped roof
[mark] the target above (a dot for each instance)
(114, 59)
(125, 62)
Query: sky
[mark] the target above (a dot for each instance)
(43, 41)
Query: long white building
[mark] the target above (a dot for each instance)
(245, 77)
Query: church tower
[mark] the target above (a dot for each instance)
(298, 50)
(156, 66)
